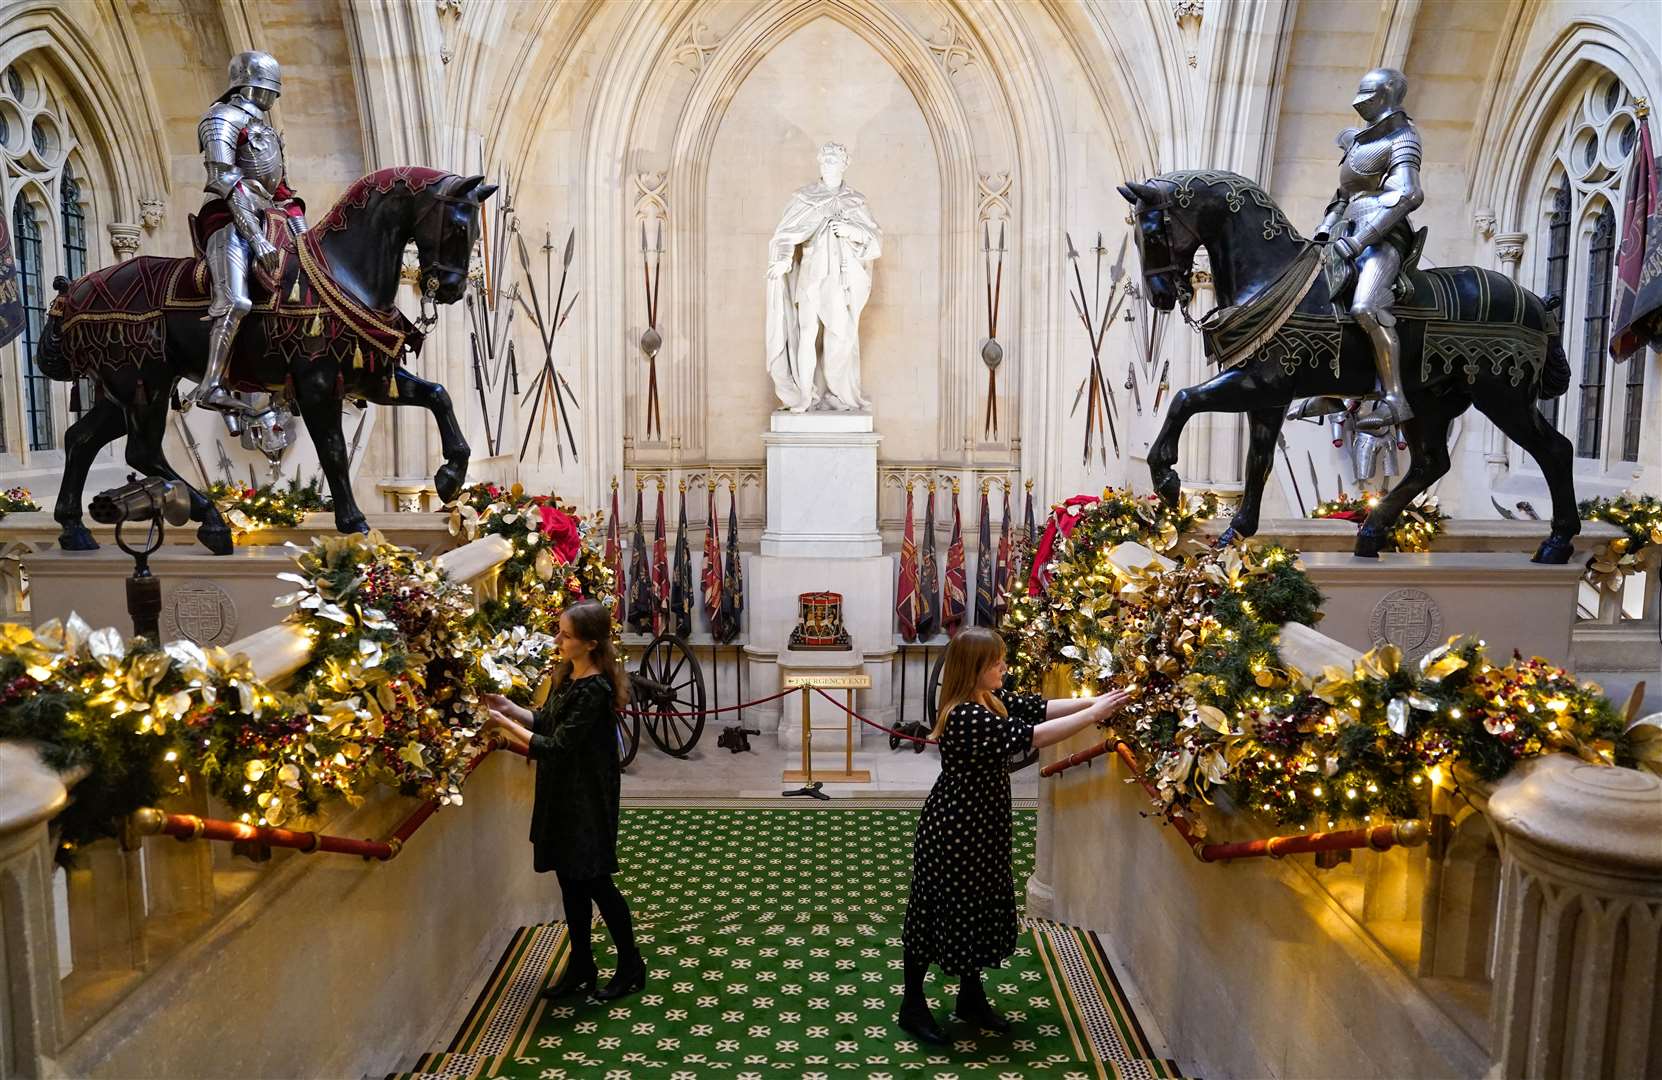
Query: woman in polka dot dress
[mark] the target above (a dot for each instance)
(961, 913)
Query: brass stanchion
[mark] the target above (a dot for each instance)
(812, 786)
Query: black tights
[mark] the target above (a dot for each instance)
(601, 892)
(917, 966)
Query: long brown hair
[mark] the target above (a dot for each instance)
(968, 656)
(592, 621)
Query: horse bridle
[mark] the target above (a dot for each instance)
(429, 273)
(1181, 275)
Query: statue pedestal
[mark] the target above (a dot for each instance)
(821, 536)
(1418, 601)
(208, 599)
(822, 485)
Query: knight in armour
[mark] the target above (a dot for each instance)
(247, 179)
(1368, 234)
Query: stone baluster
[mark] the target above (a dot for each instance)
(31, 1001)
(1580, 931)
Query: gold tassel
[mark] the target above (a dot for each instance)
(294, 291)
(357, 356)
(392, 388)
(317, 325)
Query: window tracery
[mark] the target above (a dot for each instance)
(1581, 204)
(51, 202)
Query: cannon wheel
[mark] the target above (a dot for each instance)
(670, 679)
(628, 736)
(932, 696)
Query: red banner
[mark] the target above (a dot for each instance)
(953, 598)
(1638, 309)
(906, 594)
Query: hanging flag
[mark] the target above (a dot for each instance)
(1001, 572)
(680, 590)
(986, 578)
(906, 593)
(642, 604)
(11, 290)
(710, 573)
(954, 601)
(1638, 319)
(614, 560)
(660, 569)
(732, 581)
(929, 575)
(1021, 553)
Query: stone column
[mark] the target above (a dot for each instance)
(31, 1001)
(1509, 248)
(1580, 923)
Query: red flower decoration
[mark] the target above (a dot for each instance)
(561, 530)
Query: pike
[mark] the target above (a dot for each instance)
(480, 376)
(1315, 481)
(225, 467)
(357, 436)
(1281, 441)
(189, 440)
(1160, 390)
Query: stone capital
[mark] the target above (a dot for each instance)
(125, 238)
(1510, 246)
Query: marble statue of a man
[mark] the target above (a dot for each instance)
(819, 274)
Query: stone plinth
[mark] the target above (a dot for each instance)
(1458, 534)
(822, 486)
(830, 734)
(209, 599)
(1418, 601)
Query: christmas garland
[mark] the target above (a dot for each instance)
(388, 696)
(1215, 707)
(1640, 519)
(17, 500)
(1416, 527)
(250, 509)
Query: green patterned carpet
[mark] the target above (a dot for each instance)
(772, 938)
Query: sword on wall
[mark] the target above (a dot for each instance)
(190, 445)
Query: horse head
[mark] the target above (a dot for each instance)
(1167, 254)
(447, 227)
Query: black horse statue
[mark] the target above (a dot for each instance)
(324, 327)
(1469, 337)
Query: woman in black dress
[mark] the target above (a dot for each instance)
(573, 739)
(961, 913)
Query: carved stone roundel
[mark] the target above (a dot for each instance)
(1409, 619)
(200, 611)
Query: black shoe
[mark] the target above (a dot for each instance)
(630, 978)
(974, 1008)
(918, 1022)
(578, 977)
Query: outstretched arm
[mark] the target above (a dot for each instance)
(1098, 710)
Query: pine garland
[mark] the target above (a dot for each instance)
(1215, 706)
(1416, 527)
(250, 509)
(17, 500)
(388, 697)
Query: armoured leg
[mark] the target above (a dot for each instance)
(1376, 274)
(227, 256)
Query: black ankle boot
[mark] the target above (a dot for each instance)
(578, 977)
(974, 1008)
(917, 1021)
(630, 978)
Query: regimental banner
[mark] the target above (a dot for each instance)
(11, 290)
(1638, 307)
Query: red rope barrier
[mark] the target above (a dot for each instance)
(711, 712)
(872, 723)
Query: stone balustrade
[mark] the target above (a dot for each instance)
(223, 926)
(1523, 941)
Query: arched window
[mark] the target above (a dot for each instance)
(54, 219)
(1558, 264)
(1581, 209)
(37, 388)
(1595, 336)
(73, 226)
